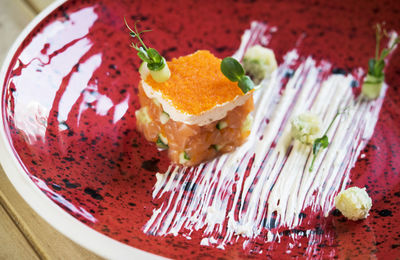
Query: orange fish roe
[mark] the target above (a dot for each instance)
(196, 83)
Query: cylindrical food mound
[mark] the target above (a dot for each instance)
(192, 144)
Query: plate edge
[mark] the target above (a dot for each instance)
(59, 219)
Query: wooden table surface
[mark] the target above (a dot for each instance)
(23, 233)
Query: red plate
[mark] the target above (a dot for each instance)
(70, 95)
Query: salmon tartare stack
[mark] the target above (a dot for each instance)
(197, 114)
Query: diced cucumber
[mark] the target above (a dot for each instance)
(155, 101)
(371, 88)
(144, 70)
(143, 115)
(247, 123)
(216, 147)
(184, 157)
(161, 75)
(164, 117)
(162, 142)
(221, 125)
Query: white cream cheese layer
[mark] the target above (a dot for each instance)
(216, 113)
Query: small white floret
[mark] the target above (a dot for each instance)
(306, 127)
(354, 203)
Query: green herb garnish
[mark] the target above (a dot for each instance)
(376, 76)
(234, 71)
(155, 62)
(323, 142)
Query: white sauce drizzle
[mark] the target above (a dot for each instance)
(224, 201)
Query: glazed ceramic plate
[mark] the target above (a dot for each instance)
(69, 139)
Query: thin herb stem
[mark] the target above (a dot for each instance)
(333, 120)
(319, 143)
(312, 163)
(378, 40)
(140, 39)
(137, 35)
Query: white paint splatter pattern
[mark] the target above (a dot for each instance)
(268, 178)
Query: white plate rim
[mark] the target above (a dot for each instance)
(65, 223)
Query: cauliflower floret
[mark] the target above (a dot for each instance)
(354, 203)
(259, 62)
(306, 127)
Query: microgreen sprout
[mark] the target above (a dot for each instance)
(323, 142)
(234, 71)
(375, 77)
(155, 62)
